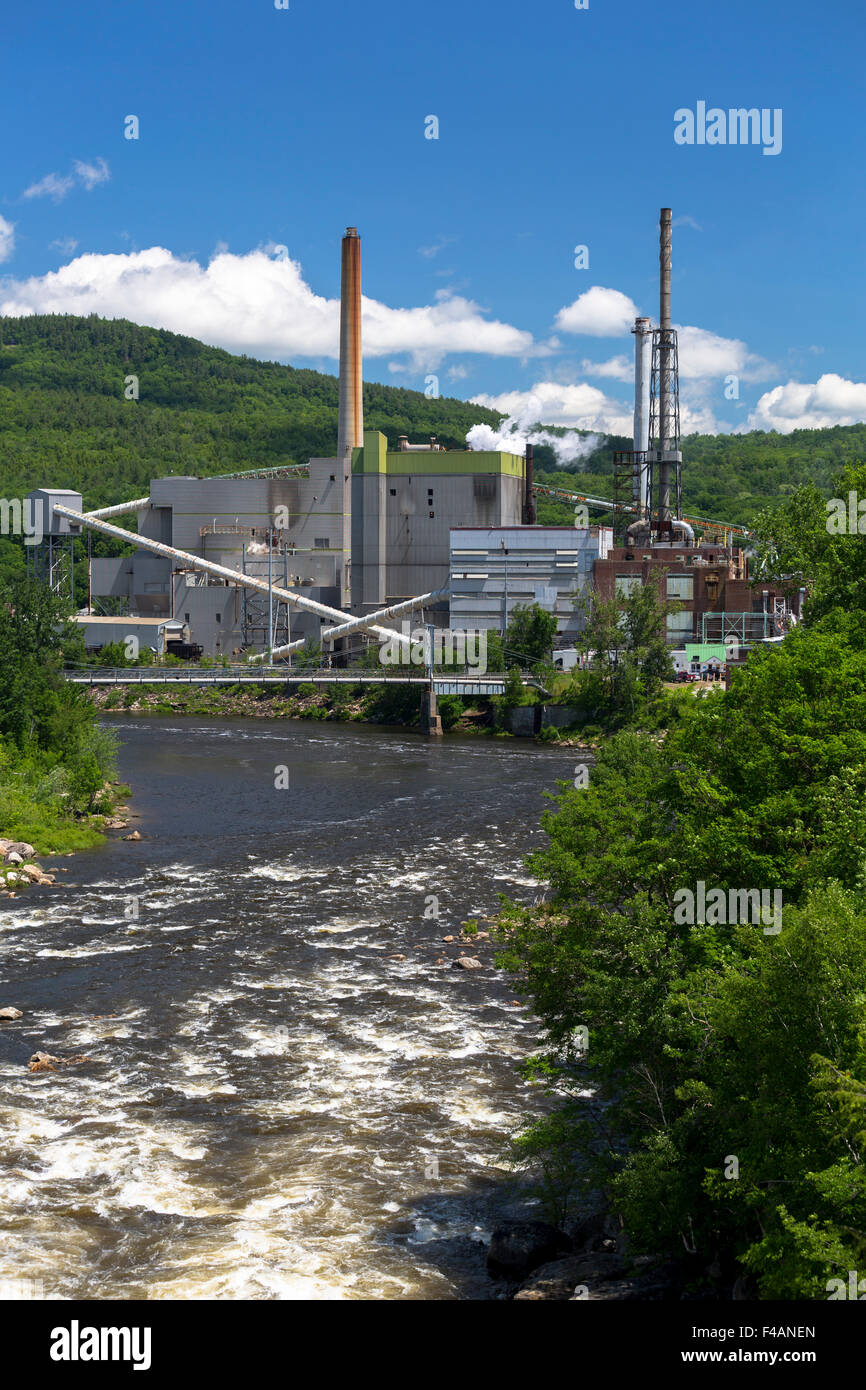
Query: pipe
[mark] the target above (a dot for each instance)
(684, 526)
(307, 605)
(383, 614)
(638, 533)
(120, 509)
(350, 424)
(664, 515)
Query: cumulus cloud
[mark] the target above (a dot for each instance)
(57, 186)
(258, 304)
(707, 355)
(831, 400)
(575, 406)
(7, 239)
(619, 368)
(599, 313)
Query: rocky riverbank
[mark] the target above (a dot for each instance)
(590, 1261)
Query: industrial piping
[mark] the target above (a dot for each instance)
(119, 509)
(307, 605)
(332, 633)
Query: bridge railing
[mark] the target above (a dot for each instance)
(261, 675)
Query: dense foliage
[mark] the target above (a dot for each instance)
(54, 757)
(727, 1061)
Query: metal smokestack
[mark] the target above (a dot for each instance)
(350, 426)
(529, 494)
(665, 430)
(642, 351)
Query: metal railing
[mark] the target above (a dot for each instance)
(276, 675)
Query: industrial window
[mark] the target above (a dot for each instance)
(321, 543)
(627, 584)
(219, 617)
(681, 586)
(432, 514)
(186, 617)
(393, 491)
(679, 624)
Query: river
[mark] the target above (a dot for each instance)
(278, 1106)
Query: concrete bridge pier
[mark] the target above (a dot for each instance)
(431, 719)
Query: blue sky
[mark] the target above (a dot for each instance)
(263, 128)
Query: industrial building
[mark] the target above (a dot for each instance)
(264, 560)
(495, 569)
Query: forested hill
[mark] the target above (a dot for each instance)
(64, 420)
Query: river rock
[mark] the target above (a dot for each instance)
(467, 963)
(558, 1280)
(10, 1012)
(134, 836)
(44, 1061)
(19, 848)
(517, 1247)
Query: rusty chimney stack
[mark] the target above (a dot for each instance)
(350, 426)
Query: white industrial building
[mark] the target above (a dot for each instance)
(495, 569)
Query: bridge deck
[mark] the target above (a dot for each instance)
(465, 683)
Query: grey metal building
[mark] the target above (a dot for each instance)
(495, 569)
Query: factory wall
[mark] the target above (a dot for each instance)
(404, 505)
(493, 570)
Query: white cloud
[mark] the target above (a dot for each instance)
(687, 221)
(92, 174)
(832, 400)
(7, 239)
(599, 313)
(577, 406)
(428, 252)
(57, 186)
(526, 411)
(619, 368)
(707, 355)
(260, 305)
(65, 245)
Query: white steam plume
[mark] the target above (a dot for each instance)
(517, 431)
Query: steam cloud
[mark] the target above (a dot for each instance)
(517, 431)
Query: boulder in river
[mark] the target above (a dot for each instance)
(44, 1061)
(467, 963)
(18, 848)
(517, 1247)
(10, 1012)
(134, 836)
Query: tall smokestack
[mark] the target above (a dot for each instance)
(528, 493)
(350, 427)
(665, 430)
(642, 350)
